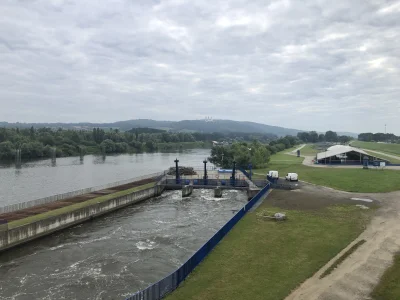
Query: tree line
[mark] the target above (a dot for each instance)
(329, 136)
(41, 142)
(244, 153)
(378, 137)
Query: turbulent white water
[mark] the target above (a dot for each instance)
(114, 256)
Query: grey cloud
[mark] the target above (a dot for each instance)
(304, 64)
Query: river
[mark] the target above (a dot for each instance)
(42, 178)
(113, 256)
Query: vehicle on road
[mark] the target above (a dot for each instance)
(273, 174)
(292, 177)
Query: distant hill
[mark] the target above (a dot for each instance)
(140, 130)
(222, 126)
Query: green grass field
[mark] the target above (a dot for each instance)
(265, 260)
(76, 206)
(309, 150)
(283, 158)
(389, 286)
(350, 180)
(386, 148)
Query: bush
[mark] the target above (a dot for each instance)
(7, 150)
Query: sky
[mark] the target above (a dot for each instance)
(310, 64)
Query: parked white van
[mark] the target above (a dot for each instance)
(273, 174)
(292, 177)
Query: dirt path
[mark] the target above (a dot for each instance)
(360, 272)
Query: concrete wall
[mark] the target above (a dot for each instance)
(25, 233)
(187, 190)
(23, 205)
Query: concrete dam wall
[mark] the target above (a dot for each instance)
(24, 233)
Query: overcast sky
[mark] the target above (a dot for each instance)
(310, 64)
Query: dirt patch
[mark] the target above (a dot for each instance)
(309, 197)
(359, 273)
(24, 213)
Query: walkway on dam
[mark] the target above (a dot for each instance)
(27, 212)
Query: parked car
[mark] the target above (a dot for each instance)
(292, 177)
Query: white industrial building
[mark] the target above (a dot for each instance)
(340, 154)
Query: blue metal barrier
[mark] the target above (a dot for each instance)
(165, 286)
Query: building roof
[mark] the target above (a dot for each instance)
(338, 149)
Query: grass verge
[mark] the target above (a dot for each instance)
(389, 287)
(342, 258)
(76, 206)
(283, 158)
(265, 260)
(309, 150)
(350, 180)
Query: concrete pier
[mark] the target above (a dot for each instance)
(10, 237)
(218, 192)
(187, 190)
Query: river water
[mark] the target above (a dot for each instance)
(39, 179)
(113, 256)
(120, 253)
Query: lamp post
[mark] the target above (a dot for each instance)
(205, 172)
(233, 173)
(250, 164)
(176, 171)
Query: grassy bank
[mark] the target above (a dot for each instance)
(391, 159)
(350, 180)
(261, 259)
(76, 206)
(389, 287)
(388, 148)
(309, 150)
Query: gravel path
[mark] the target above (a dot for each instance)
(356, 277)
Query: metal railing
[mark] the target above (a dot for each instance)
(32, 203)
(161, 288)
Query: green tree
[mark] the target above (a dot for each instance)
(7, 150)
(331, 136)
(108, 146)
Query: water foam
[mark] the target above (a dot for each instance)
(145, 245)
